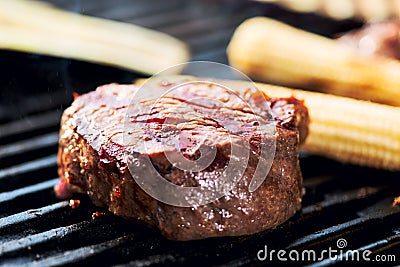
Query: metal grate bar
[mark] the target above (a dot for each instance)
(76, 255)
(34, 104)
(25, 216)
(28, 145)
(43, 102)
(29, 166)
(22, 192)
(152, 260)
(197, 27)
(342, 198)
(31, 240)
(338, 230)
(30, 123)
(165, 19)
(383, 244)
(378, 245)
(123, 12)
(314, 182)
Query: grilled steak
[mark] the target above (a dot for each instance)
(92, 148)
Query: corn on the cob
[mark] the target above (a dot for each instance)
(349, 130)
(32, 26)
(368, 10)
(269, 50)
(344, 129)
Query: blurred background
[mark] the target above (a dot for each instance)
(206, 26)
(36, 88)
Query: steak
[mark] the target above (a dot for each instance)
(101, 128)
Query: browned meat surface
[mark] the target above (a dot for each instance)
(92, 148)
(381, 39)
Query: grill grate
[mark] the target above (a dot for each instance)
(36, 229)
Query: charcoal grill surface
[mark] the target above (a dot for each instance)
(36, 229)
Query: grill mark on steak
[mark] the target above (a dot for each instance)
(91, 159)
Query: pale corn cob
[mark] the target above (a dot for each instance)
(344, 129)
(37, 27)
(272, 51)
(368, 10)
(349, 130)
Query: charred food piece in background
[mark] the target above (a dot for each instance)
(381, 39)
(91, 158)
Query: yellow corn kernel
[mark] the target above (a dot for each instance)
(268, 50)
(349, 130)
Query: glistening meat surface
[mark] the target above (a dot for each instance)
(92, 155)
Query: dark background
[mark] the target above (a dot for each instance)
(205, 25)
(341, 201)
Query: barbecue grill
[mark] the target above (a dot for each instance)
(342, 202)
